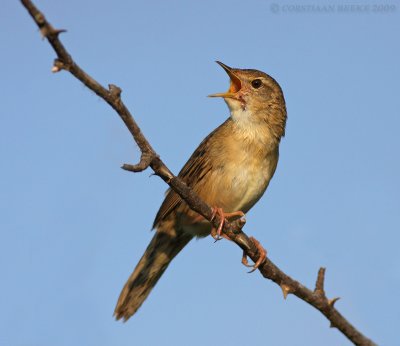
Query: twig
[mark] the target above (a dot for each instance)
(149, 158)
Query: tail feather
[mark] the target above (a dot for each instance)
(164, 246)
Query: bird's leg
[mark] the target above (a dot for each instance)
(262, 255)
(216, 233)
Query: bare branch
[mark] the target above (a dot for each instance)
(319, 285)
(149, 157)
(145, 161)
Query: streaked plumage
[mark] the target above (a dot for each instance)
(230, 169)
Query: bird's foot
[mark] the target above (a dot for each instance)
(261, 252)
(216, 233)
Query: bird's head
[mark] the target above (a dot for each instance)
(254, 97)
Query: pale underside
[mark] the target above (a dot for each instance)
(230, 169)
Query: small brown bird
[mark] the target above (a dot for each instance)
(230, 170)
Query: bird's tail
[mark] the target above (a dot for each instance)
(165, 245)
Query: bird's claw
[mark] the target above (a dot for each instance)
(262, 256)
(216, 234)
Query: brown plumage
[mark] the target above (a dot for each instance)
(230, 169)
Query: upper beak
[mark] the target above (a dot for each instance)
(235, 85)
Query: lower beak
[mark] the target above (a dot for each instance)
(234, 87)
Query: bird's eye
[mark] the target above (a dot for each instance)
(256, 83)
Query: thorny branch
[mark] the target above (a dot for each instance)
(149, 158)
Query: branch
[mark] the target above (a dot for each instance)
(149, 158)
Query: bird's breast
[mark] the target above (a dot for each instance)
(240, 166)
(241, 175)
(248, 179)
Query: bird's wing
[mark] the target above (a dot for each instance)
(195, 169)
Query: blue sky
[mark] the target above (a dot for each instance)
(73, 224)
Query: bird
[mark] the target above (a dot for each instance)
(230, 170)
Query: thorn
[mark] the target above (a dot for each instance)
(58, 31)
(332, 325)
(55, 69)
(58, 66)
(285, 290)
(331, 302)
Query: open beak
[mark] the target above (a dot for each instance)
(234, 87)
